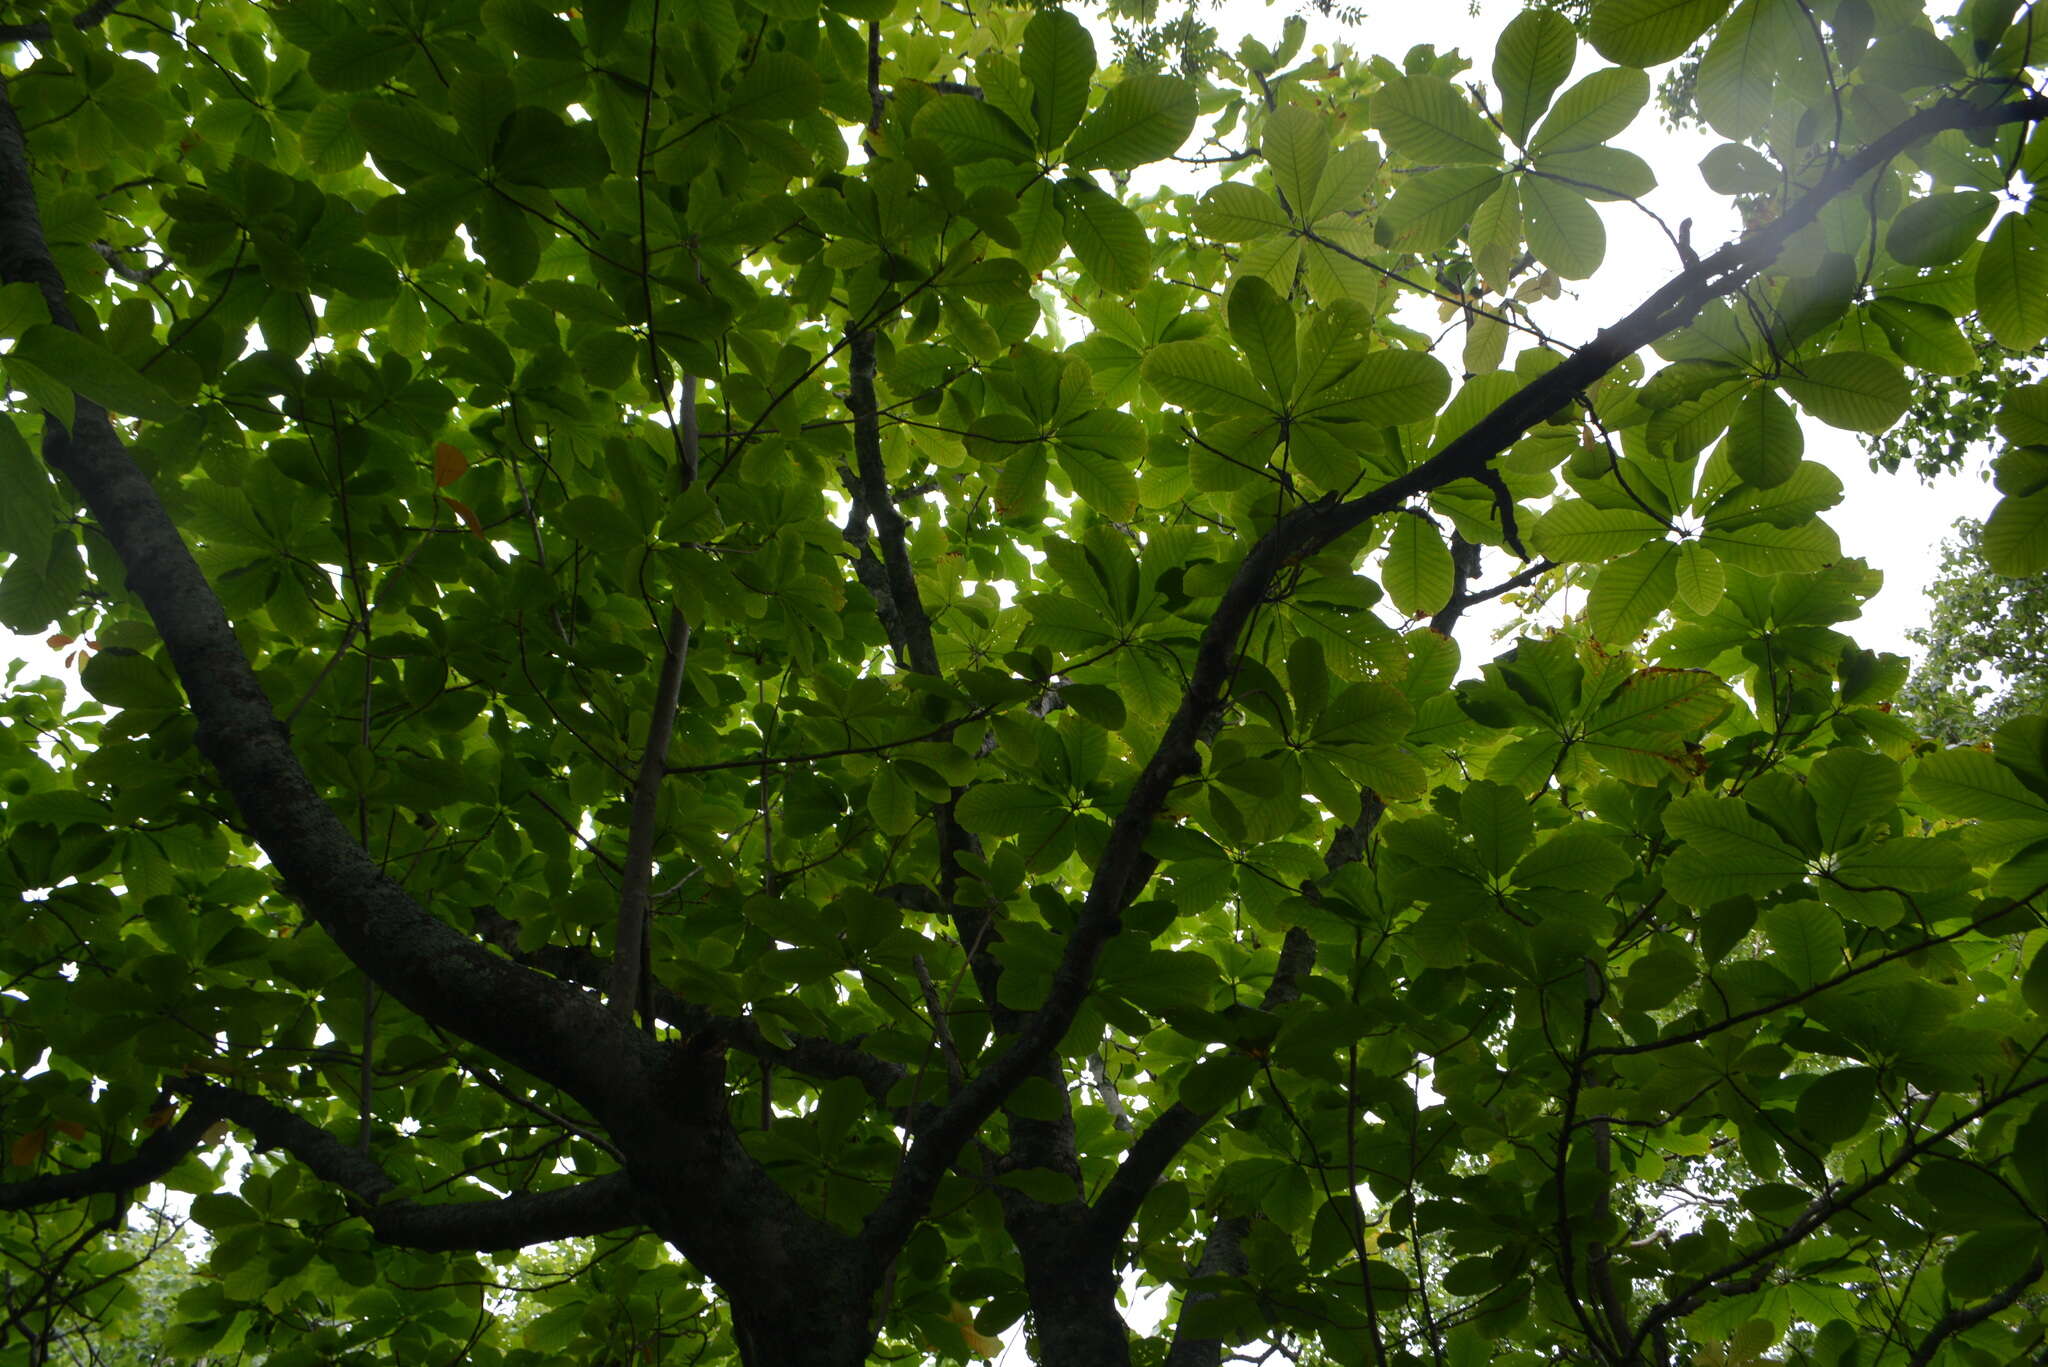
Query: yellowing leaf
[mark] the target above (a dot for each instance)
(449, 463)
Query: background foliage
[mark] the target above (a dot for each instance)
(715, 653)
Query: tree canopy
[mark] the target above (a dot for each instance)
(741, 705)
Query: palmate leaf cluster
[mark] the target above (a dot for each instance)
(738, 708)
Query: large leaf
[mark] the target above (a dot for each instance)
(1417, 573)
(1262, 325)
(1142, 119)
(1646, 32)
(1296, 144)
(2012, 283)
(1204, 377)
(1970, 783)
(1234, 212)
(1727, 852)
(1426, 120)
(1059, 61)
(1565, 232)
(1107, 238)
(1631, 591)
(1429, 209)
(1577, 530)
(1532, 59)
(86, 366)
(2016, 535)
(1940, 228)
(1739, 74)
(1386, 388)
(1592, 111)
(1853, 389)
(968, 130)
(1765, 444)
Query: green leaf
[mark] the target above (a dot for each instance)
(1348, 177)
(1426, 120)
(2012, 283)
(779, 86)
(1532, 59)
(1059, 60)
(1701, 580)
(968, 130)
(85, 366)
(39, 589)
(1576, 858)
(1203, 377)
(1388, 387)
(2016, 535)
(1926, 336)
(1835, 1106)
(1417, 573)
(1851, 789)
(1646, 32)
(1565, 232)
(1592, 111)
(1631, 591)
(1808, 943)
(1732, 169)
(1727, 853)
(1107, 486)
(1428, 210)
(1853, 389)
(1765, 444)
(1940, 228)
(1971, 784)
(29, 506)
(1262, 325)
(1296, 145)
(125, 679)
(1497, 821)
(2023, 414)
(1738, 76)
(1234, 212)
(407, 142)
(1107, 238)
(1601, 174)
(1575, 530)
(1142, 119)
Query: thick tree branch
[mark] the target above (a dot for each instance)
(632, 978)
(1124, 867)
(1148, 1159)
(598, 1206)
(152, 1160)
(1222, 1256)
(1835, 1202)
(810, 1056)
(38, 31)
(545, 1027)
(911, 634)
(1968, 1317)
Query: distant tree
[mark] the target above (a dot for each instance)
(1984, 646)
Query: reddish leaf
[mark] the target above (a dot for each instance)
(70, 1129)
(59, 640)
(462, 511)
(25, 1149)
(159, 1117)
(449, 463)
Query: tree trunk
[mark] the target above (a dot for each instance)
(1072, 1285)
(802, 1330)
